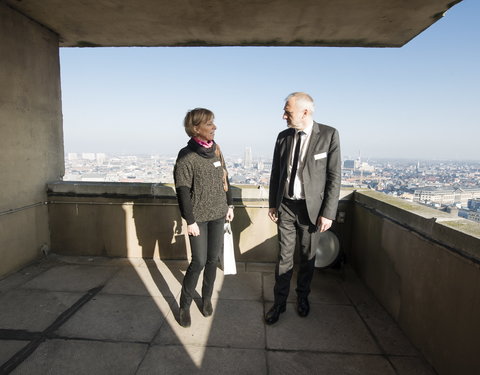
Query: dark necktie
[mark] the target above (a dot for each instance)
(295, 163)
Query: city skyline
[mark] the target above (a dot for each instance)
(415, 102)
(449, 186)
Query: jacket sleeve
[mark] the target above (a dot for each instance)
(274, 176)
(333, 179)
(229, 193)
(183, 176)
(185, 204)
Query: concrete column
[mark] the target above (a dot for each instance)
(31, 135)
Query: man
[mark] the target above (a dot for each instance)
(303, 198)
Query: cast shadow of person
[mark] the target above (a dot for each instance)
(159, 233)
(243, 220)
(252, 237)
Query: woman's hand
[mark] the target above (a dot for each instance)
(230, 214)
(193, 230)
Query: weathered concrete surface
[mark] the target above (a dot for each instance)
(377, 23)
(428, 280)
(31, 136)
(143, 220)
(117, 332)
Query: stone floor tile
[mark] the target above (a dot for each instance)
(243, 285)
(8, 348)
(332, 328)
(139, 304)
(71, 278)
(287, 363)
(389, 335)
(173, 265)
(325, 288)
(260, 267)
(24, 275)
(118, 317)
(234, 323)
(60, 357)
(411, 366)
(190, 359)
(33, 310)
(96, 260)
(241, 267)
(144, 281)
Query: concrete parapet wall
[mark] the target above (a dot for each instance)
(31, 138)
(143, 220)
(423, 266)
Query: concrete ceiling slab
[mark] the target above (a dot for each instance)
(352, 23)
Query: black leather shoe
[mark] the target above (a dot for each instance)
(184, 317)
(274, 313)
(207, 308)
(303, 307)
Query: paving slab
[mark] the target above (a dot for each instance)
(24, 275)
(243, 286)
(331, 328)
(8, 348)
(133, 323)
(173, 265)
(325, 288)
(118, 317)
(181, 360)
(390, 337)
(71, 278)
(234, 323)
(260, 267)
(60, 357)
(33, 310)
(411, 366)
(144, 281)
(96, 260)
(287, 363)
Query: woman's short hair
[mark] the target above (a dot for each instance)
(196, 117)
(302, 99)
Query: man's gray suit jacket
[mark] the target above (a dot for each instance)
(321, 172)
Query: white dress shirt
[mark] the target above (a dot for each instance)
(298, 190)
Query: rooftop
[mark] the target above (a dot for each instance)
(94, 315)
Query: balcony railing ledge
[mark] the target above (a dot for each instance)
(457, 234)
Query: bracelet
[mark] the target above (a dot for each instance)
(231, 206)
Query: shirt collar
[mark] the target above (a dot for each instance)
(307, 130)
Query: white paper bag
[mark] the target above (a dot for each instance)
(229, 266)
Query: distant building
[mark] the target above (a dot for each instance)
(88, 156)
(446, 197)
(474, 204)
(93, 177)
(365, 167)
(475, 216)
(260, 165)
(349, 164)
(247, 160)
(100, 157)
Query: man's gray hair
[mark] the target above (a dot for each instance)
(302, 99)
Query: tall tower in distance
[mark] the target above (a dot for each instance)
(247, 158)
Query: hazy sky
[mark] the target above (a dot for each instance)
(418, 101)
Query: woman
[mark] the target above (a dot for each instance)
(205, 202)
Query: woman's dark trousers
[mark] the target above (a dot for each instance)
(205, 251)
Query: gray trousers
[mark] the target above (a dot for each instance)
(294, 223)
